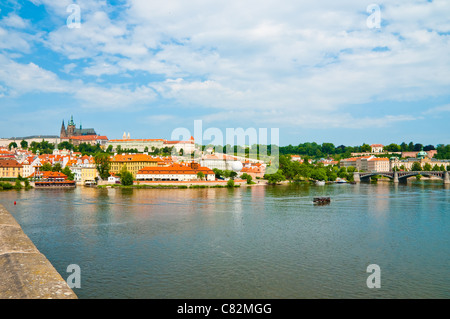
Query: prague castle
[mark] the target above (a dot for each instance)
(73, 131)
(77, 136)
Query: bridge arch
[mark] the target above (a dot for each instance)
(397, 176)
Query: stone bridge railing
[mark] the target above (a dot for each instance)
(25, 273)
(397, 176)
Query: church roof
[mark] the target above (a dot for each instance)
(84, 131)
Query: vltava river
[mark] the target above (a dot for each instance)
(258, 242)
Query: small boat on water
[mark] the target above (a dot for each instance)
(340, 181)
(320, 183)
(321, 200)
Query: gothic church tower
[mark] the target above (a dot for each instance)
(63, 131)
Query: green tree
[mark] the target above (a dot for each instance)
(56, 168)
(46, 167)
(6, 186)
(351, 169)
(126, 178)
(230, 183)
(319, 173)
(366, 148)
(217, 172)
(24, 144)
(200, 175)
(65, 145)
(275, 178)
(70, 175)
(443, 152)
(18, 184)
(427, 167)
(417, 147)
(332, 176)
(328, 148)
(404, 147)
(103, 164)
(393, 148)
(12, 145)
(247, 177)
(416, 167)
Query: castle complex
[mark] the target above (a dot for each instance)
(73, 131)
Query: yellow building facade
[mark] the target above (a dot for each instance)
(10, 169)
(134, 163)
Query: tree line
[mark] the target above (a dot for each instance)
(315, 150)
(296, 171)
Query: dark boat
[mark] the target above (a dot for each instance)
(322, 200)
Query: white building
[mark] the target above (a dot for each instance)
(187, 146)
(175, 172)
(377, 148)
(113, 179)
(219, 161)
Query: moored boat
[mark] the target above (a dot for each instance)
(322, 200)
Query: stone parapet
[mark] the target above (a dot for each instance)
(25, 273)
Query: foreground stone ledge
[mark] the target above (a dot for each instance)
(25, 273)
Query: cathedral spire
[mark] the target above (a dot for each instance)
(63, 132)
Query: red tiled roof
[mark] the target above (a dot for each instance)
(175, 169)
(49, 175)
(87, 138)
(9, 163)
(135, 158)
(139, 140)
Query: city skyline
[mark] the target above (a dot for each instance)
(318, 72)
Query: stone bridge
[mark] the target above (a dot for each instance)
(400, 176)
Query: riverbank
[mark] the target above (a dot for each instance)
(26, 273)
(176, 184)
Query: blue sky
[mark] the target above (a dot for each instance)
(316, 70)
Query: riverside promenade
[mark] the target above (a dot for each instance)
(25, 273)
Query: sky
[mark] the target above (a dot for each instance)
(345, 72)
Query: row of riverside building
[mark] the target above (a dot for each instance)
(142, 166)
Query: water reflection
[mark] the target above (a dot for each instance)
(249, 242)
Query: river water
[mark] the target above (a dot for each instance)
(249, 242)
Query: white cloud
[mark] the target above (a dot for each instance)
(24, 78)
(14, 21)
(118, 98)
(310, 59)
(438, 109)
